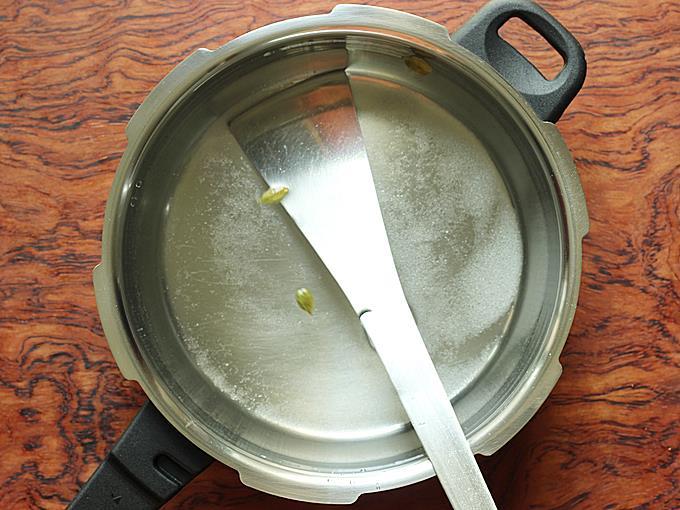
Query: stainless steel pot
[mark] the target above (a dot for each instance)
(485, 215)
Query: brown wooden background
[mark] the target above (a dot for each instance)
(71, 75)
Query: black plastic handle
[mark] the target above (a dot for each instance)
(549, 98)
(148, 465)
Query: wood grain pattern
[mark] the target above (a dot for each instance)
(72, 74)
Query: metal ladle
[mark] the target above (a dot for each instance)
(308, 139)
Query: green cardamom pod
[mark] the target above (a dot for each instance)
(273, 195)
(418, 65)
(305, 300)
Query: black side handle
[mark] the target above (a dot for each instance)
(549, 98)
(148, 465)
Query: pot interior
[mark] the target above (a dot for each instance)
(208, 275)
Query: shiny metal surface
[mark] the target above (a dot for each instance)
(397, 341)
(196, 281)
(308, 139)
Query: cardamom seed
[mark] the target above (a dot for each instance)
(273, 195)
(418, 65)
(305, 300)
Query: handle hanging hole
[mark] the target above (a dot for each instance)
(542, 55)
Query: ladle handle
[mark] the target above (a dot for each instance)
(148, 465)
(397, 341)
(549, 98)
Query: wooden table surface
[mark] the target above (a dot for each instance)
(72, 74)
